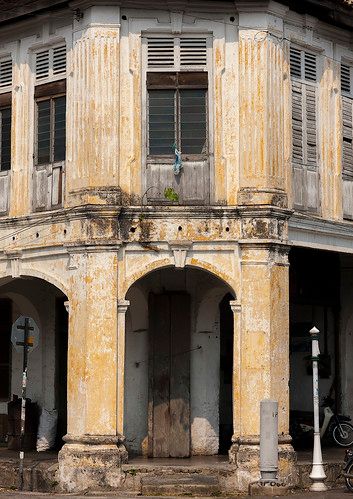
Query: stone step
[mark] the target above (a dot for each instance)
(191, 484)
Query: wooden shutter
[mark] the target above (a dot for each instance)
(347, 157)
(5, 72)
(42, 64)
(160, 52)
(345, 78)
(193, 52)
(303, 66)
(51, 62)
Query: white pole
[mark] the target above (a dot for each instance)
(317, 474)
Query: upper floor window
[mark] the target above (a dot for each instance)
(177, 114)
(303, 68)
(50, 143)
(5, 132)
(177, 117)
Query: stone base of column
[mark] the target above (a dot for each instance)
(91, 462)
(245, 454)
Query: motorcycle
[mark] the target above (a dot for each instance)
(334, 426)
(348, 469)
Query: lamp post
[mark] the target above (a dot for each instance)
(317, 474)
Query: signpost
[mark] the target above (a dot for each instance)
(24, 335)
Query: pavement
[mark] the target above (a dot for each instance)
(338, 493)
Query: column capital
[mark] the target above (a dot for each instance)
(123, 306)
(235, 306)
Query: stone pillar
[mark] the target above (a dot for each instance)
(262, 348)
(94, 450)
(263, 67)
(330, 143)
(122, 308)
(22, 133)
(93, 101)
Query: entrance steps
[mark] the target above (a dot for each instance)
(178, 477)
(181, 484)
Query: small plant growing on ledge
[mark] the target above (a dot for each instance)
(170, 194)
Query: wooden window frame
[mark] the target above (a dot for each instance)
(48, 91)
(177, 80)
(5, 103)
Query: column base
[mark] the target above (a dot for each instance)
(91, 462)
(267, 197)
(245, 454)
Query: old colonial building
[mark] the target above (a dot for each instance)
(176, 198)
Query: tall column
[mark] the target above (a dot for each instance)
(330, 143)
(262, 350)
(262, 69)
(21, 132)
(122, 308)
(93, 101)
(94, 449)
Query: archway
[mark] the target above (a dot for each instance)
(47, 364)
(173, 382)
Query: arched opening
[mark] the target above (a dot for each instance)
(179, 363)
(47, 363)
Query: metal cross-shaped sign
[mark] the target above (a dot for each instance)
(18, 333)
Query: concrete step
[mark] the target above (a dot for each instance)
(191, 484)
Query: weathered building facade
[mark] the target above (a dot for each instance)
(160, 168)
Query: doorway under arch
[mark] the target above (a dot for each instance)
(47, 364)
(178, 326)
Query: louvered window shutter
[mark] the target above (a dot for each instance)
(303, 67)
(42, 64)
(297, 121)
(347, 153)
(193, 52)
(51, 62)
(160, 52)
(5, 72)
(59, 60)
(176, 53)
(310, 114)
(345, 78)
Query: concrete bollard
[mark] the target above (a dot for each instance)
(269, 440)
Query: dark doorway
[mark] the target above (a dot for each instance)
(61, 340)
(226, 375)
(169, 375)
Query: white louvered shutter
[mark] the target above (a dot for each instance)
(51, 62)
(59, 60)
(176, 53)
(42, 64)
(5, 72)
(193, 52)
(160, 52)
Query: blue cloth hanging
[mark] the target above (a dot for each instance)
(178, 165)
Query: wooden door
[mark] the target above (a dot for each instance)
(169, 375)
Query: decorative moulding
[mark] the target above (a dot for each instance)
(180, 250)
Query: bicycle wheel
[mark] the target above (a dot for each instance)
(343, 434)
(349, 481)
